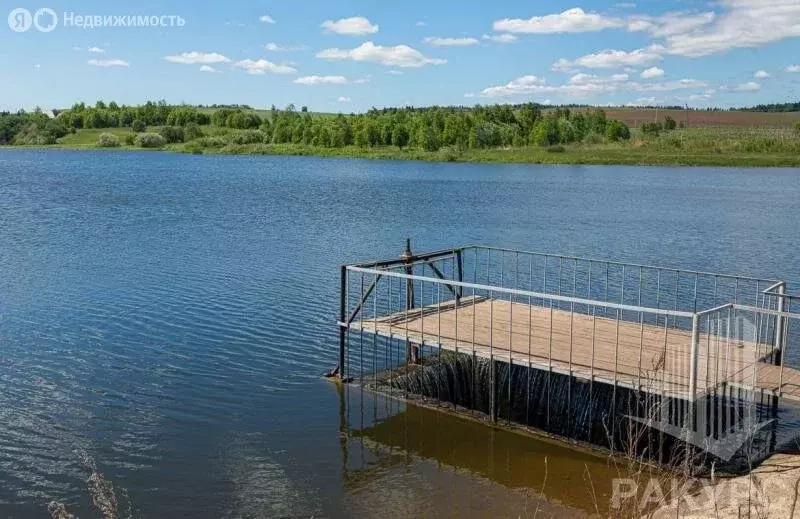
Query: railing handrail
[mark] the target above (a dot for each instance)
(525, 293)
(622, 263)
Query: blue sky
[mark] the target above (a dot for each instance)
(351, 55)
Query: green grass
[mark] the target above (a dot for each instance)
(687, 147)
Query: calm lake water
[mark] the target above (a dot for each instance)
(164, 320)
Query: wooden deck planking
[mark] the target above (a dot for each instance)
(653, 358)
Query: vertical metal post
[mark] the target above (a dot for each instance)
(412, 352)
(691, 418)
(342, 318)
(780, 325)
(460, 273)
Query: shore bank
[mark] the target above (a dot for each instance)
(770, 491)
(577, 155)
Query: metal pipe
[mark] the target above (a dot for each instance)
(537, 295)
(342, 316)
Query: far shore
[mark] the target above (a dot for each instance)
(622, 154)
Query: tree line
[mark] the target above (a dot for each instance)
(429, 128)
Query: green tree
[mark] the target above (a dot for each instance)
(400, 136)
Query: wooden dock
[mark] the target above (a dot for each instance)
(630, 354)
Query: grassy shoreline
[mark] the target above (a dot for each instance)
(623, 154)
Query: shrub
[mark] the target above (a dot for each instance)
(138, 126)
(108, 140)
(129, 139)
(172, 134)
(651, 129)
(556, 149)
(797, 128)
(32, 135)
(248, 137)
(617, 131)
(192, 131)
(210, 142)
(150, 140)
(593, 138)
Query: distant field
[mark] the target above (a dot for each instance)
(636, 116)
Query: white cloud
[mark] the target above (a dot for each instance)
(274, 47)
(262, 66)
(96, 50)
(751, 86)
(450, 42)
(612, 59)
(742, 24)
(321, 80)
(500, 38)
(651, 73)
(401, 56)
(762, 74)
(344, 99)
(363, 80)
(587, 85)
(583, 79)
(355, 26)
(519, 86)
(469, 95)
(266, 19)
(793, 69)
(108, 63)
(210, 69)
(571, 20)
(421, 24)
(395, 72)
(197, 58)
(670, 24)
(643, 101)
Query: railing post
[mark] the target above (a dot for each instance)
(460, 273)
(692, 418)
(342, 317)
(780, 323)
(412, 352)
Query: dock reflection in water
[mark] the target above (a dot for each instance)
(406, 460)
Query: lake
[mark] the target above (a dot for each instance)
(164, 321)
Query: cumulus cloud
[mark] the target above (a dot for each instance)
(571, 20)
(450, 42)
(751, 86)
(344, 99)
(274, 47)
(401, 56)
(355, 26)
(266, 19)
(108, 63)
(262, 66)
(762, 74)
(208, 68)
(670, 24)
(96, 50)
(643, 101)
(321, 80)
(793, 69)
(612, 59)
(519, 86)
(742, 24)
(197, 58)
(652, 72)
(586, 85)
(500, 38)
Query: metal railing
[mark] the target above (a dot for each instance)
(682, 334)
